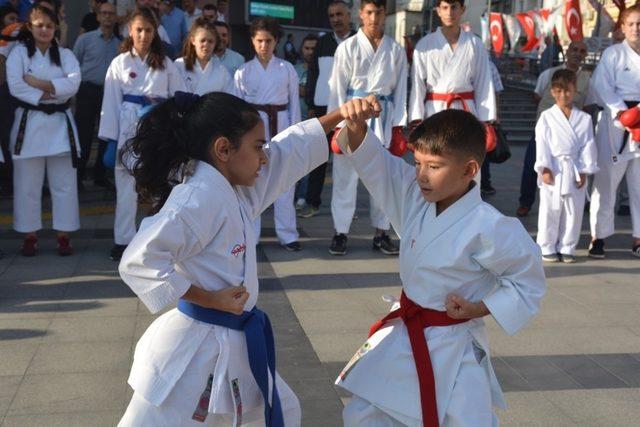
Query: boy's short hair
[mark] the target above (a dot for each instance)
(268, 24)
(450, 2)
(562, 78)
(452, 131)
(376, 3)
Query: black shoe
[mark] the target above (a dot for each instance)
(596, 249)
(104, 183)
(338, 244)
(624, 210)
(487, 190)
(384, 244)
(292, 247)
(116, 252)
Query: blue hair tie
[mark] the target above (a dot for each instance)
(185, 100)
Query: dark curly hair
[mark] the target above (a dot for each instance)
(156, 55)
(267, 24)
(170, 136)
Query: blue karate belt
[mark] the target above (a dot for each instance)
(382, 99)
(260, 348)
(146, 102)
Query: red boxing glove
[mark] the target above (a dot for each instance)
(335, 148)
(630, 118)
(398, 144)
(492, 138)
(635, 134)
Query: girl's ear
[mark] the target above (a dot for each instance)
(221, 149)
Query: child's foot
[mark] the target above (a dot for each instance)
(116, 252)
(338, 244)
(64, 246)
(29, 246)
(551, 258)
(567, 259)
(384, 244)
(292, 247)
(596, 249)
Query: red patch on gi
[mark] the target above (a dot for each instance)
(238, 249)
(133, 75)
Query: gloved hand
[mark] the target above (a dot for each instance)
(630, 118)
(398, 144)
(635, 134)
(109, 156)
(335, 148)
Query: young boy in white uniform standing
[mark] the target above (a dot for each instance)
(451, 70)
(43, 77)
(211, 361)
(368, 63)
(428, 363)
(566, 153)
(616, 81)
(137, 79)
(270, 84)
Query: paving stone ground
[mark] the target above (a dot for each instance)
(68, 326)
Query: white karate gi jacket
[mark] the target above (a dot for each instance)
(470, 249)
(128, 74)
(275, 85)
(567, 148)
(381, 72)
(45, 135)
(616, 79)
(214, 77)
(439, 69)
(203, 235)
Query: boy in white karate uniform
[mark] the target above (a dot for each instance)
(368, 63)
(565, 155)
(460, 260)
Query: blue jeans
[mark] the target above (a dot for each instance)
(529, 180)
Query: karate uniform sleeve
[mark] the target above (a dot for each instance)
(510, 254)
(399, 117)
(148, 263)
(588, 161)
(68, 85)
(484, 91)
(387, 178)
(294, 95)
(544, 158)
(176, 81)
(111, 103)
(292, 154)
(418, 86)
(604, 84)
(340, 78)
(15, 74)
(238, 87)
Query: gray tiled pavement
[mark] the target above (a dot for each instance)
(68, 326)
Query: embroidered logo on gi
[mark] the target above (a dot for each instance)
(133, 75)
(238, 249)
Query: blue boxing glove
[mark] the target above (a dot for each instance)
(109, 156)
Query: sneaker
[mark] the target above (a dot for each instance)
(636, 250)
(596, 249)
(487, 190)
(624, 210)
(551, 258)
(338, 244)
(300, 203)
(29, 246)
(567, 259)
(384, 244)
(307, 212)
(116, 252)
(292, 247)
(523, 211)
(64, 246)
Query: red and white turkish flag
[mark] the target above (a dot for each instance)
(529, 27)
(573, 20)
(497, 32)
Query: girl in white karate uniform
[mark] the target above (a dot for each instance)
(201, 70)
(201, 162)
(137, 79)
(43, 77)
(270, 84)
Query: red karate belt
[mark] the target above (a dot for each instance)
(416, 318)
(450, 98)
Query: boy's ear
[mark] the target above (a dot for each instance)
(472, 168)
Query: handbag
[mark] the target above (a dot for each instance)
(501, 153)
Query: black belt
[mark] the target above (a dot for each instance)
(625, 136)
(48, 109)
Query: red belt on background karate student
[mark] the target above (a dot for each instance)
(272, 114)
(450, 98)
(416, 318)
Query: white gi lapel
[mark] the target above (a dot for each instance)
(633, 58)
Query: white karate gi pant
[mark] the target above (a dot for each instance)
(178, 408)
(603, 197)
(284, 217)
(124, 227)
(28, 179)
(559, 229)
(343, 198)
(469, 405)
